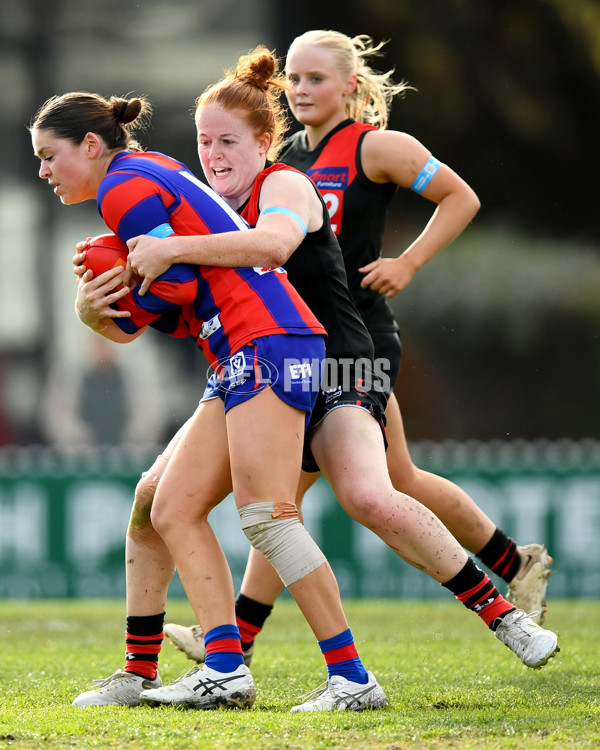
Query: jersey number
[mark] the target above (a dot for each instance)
(333, 203)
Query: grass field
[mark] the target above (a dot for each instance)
(449, 682)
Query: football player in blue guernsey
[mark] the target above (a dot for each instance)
(235, 137)
(358, 166)
(266, 348)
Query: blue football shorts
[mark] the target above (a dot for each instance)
(289, 364)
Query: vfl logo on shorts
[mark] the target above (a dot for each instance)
(237, 370)
(209, 327)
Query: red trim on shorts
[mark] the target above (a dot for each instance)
(257, 373)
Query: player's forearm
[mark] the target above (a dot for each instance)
(449, 220)
(115, 334)
(108, 328)
(254, 247)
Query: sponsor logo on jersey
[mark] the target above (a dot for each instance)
(262, 271)
(330, 178)
(209, 327)
(332, 182)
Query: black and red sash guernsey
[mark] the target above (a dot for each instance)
(358, 207)
(316, 270)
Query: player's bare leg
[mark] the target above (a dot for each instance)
(149, 570)
(260, 581)
(196, 479)
(360, 480)
(270, 471)
(265, 438)
(527, 574)
(261, 586)
(149, 567)
(462, 517)
(363, 488)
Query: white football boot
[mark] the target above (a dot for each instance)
(120, 689)
(531, 643)
(205, 688)
(340, 694)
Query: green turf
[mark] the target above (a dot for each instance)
(449, 682)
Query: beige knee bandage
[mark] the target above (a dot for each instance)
(285, 543)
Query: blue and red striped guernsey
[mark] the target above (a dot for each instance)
(231, 306)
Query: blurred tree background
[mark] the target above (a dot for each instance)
(500, 332)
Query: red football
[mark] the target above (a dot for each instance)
(105, 252)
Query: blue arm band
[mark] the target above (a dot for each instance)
(288, 212)
(162, 230)
(425, 175)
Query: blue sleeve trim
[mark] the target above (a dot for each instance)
(425, 175)
(162, 230)
(287, 212)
